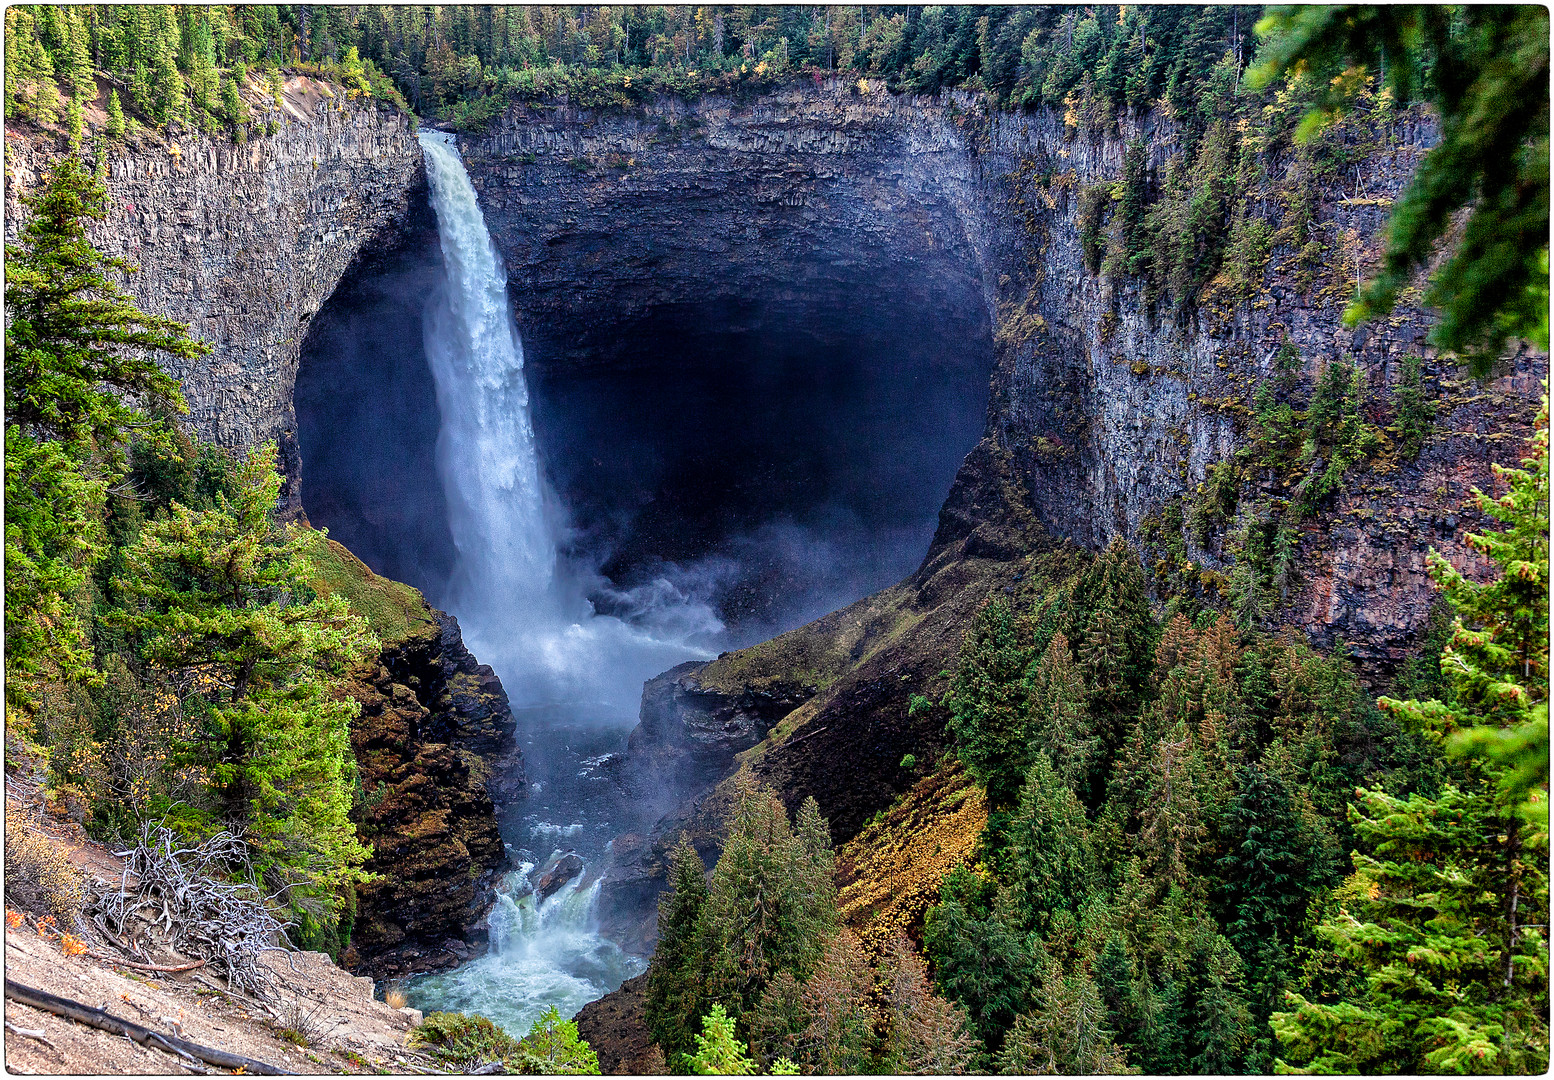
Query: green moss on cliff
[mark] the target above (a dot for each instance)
(395, 610)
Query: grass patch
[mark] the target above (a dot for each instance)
(395, 610)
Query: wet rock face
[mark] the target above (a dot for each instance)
(840, 210)
(436, 753)
(245, 242)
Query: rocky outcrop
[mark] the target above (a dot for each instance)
(689, 734)
(244, 242)
(436, 753)
(615, 1028)
(796, 201)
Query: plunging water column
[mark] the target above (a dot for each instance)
(574, 677)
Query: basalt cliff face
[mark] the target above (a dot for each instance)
(244, 242)
(1105, 411)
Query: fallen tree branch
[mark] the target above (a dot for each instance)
(31, 1034)
(171, 1044)
(174, 969)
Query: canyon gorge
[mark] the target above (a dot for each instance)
(815, 371)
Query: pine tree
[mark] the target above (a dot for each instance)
(675, 993)
(217, 598)
(116, 128)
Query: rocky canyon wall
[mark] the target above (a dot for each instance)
(244, 242)
(1106, 413)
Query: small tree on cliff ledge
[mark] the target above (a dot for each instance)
(219, 599)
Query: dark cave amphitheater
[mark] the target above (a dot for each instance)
(786, 453)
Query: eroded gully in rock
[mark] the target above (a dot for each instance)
(574, 677)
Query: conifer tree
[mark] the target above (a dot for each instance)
(218, 598)
(988, 710)
(834, 1040)
(1455, 973)
(78, 354)
(1066, 1033)
(769, 905)
(718, 1051)
(1449, 918)
(116, 128)
(675, 992)
(29, 73)
(929, 1036)
(978, 959)
(1486, 69)
(1115, 634)
(1052, 866)
(1060, 723)
(75, 66)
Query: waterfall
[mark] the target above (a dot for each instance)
(573, 676)
(485, 451)
(521, 610)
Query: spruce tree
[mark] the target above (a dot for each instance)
(1060, 724)
(1052, 863)
(987, 702)
(78, 354)
(29, 73)
(116, 128)
(75, 66)
(219, 599)
(929, 1036)
(769, 906)
(675, 991)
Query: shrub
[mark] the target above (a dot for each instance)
(39, 876)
